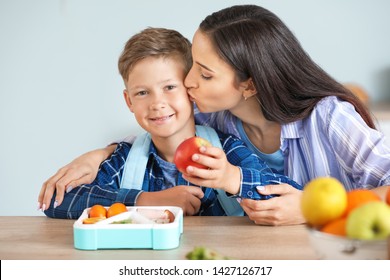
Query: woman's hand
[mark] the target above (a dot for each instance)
(186, 197)
(279, 210)
(82, 170)
(219, 173)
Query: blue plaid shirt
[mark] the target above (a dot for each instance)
(105, 189)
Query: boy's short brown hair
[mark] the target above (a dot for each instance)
(158, 42)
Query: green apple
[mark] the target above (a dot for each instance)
(370, 221)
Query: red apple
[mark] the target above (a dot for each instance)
(185, 151)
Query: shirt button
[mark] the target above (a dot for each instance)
(159, 182)
(249, 193)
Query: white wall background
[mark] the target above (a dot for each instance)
(61, 94)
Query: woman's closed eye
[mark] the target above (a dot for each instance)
(205, 77)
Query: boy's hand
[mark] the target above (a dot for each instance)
(220, 173)
(82, 170)
(186, 197)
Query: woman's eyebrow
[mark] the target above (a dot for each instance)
(204, 66)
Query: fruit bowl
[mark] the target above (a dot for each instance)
(333, 247)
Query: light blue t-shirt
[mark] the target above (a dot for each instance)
(275, 160)
(169, 171)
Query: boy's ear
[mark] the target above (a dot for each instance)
(249, 88)
(127, 99)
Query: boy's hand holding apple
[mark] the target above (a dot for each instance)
(205, 165)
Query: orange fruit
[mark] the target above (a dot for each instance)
(337, 227)
(388, 196)
(116, 209)
(358, 197)
(97, 211)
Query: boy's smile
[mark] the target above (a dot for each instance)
(162, 119)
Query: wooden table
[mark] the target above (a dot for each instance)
(237, 237)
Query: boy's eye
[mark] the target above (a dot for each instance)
(170, 87)
(141, 93)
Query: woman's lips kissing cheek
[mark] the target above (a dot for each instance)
(192, 99)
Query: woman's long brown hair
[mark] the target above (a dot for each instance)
(258, 45)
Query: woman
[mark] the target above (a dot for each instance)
(251, 78)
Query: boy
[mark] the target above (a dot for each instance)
(153, 66)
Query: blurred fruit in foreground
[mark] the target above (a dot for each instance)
(337, 227)
(358, 197)
(323, 199)
(388, 196)
(369, 221)
(116, 209)
(203, 253)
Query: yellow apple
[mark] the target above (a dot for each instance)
(369, 221)
(323, 199)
